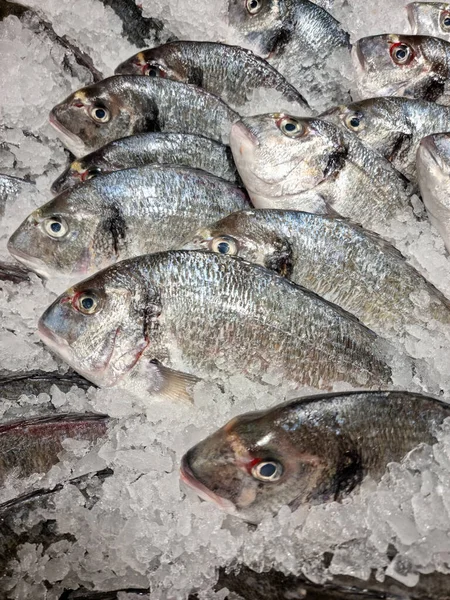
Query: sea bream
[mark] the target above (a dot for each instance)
(155, 323)
(124, 105)
(340, 261)
(148, 148)
(414, 66)
(309, 164)
(393, 126)
(429, 18)
(119, 215)
(308, 451)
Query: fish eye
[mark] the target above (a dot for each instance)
(224, 245)
(354, 122)
(86, 302)
(402, 54)
(291, 127)
(55, 227)
(154, 71)
(445, 21)
(269, 470)
(100, 114)
(253, 6)
(90, 173)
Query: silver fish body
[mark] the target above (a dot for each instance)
(429, 18)
(124, 105)
(393, 126)
(119, 215)
(433, 169)
(343, 263)
(306, 164)
(148, 148)
(145, 322)
(11, 188)
(233, 73)
(308, 451)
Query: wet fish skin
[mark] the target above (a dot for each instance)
(11, 188)
(319, 167)
(209, 316)
(393, 126)
(14, 385)
(422, 71)
(230, 72)
(429, 18)
(433, 169)
(318, 444)
(315, 251)
(33, 445)
(120, 215)
(148, 148)
(131, 104)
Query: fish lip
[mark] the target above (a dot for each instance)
(47, 335)
(188, 477)
(27, 260)
(241, 128)
(61, 129)
(429, 145)
(358, 54)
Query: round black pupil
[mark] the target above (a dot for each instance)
(267, 470)
(290, 127)
(401, 53)
(153, 72)
(447, 21)
(55, 227)
(223, 247)
(254, 4)
(354, 122)
(100, 113)
(87, 303)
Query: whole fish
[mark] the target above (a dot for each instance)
(32, 446)
(230, 72)
(433, 169)
(308, 451)
(393, 126)
(343, 263)
(127, 104)
(155, 323)
(302, 40)
(429, 18)
(120, 215)
(309, 164)
(148, 148)
(414, 66)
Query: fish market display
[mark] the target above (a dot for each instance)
(430, 18)
(393, 126)
(155, 316)
(341, 262)
(230, 72)
(120, 215)
(308, 451)
(433, 168)
(308, 164)
(403, 65)
(127, 104)
(148, 148)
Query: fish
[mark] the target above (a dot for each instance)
(33, 445)
(120, 215)
(11, 188)
(230, 72)
(148, 148)
(429, 18)
(413, 66)
(300, 39)
(155, 324)
(32, 383)
(308, 164)
(330, 257)
(433, 169)
(393, 126)
(308, 451)
(124, 105)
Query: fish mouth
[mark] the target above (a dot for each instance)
(50, 338)
(411, 17)
(188, 477)
(36, 265)
(358, 56)
(69, 139)
(428, 145)
(243, 132)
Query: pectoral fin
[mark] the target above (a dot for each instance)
(171, 384)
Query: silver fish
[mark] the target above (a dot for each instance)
(155, 323)
(119, 215)
(393, 126)
(309, 164)
(433, 169)
(230, 72)
(429, 18)
(330, 257)
(403, 65)
(308, 451)
(11, 188)
(128, 104)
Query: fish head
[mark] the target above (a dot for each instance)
(77, 172)
(163, 61)
(390, 64)
(278, 154)
(251, 468)
(66, 236)
(260, 21)
(248, 236)
(97, 114)
(431, 18)
(98, 326)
